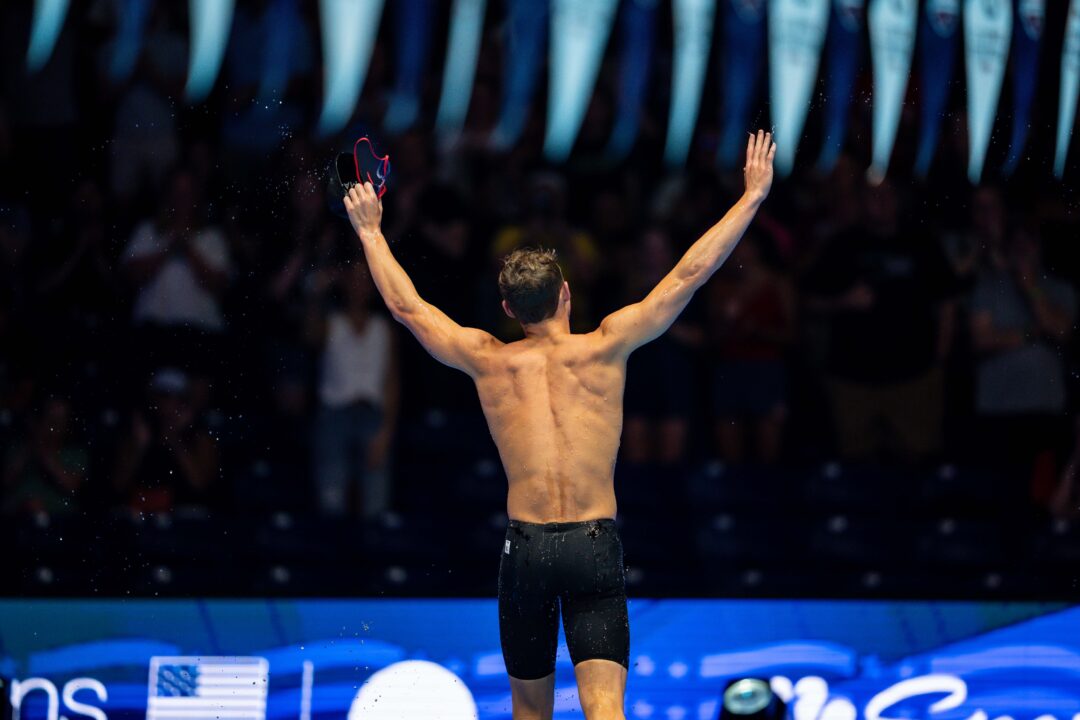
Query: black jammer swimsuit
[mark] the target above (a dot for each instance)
(578, 565)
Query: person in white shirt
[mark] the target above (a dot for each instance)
(179, 265)
(358, 399)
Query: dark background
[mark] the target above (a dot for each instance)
(875, 396)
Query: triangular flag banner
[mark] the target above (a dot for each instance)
(1027, 42)
(211, 21)
(348, 37)
(412, 40)
(937, 55)
(48, 22)
(693, 27)
(131, 18)
(1070, 85)
(526, 28)
(579, 34)
(987, 34)
(637, 38)
(843, 49)
(462, 50)
(892, 39)
(742, 55)
(796, 36)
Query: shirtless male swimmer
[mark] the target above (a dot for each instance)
(553, 403)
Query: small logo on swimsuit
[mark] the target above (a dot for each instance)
(506, 547)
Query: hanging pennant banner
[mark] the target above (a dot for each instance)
(211, 21)
(742, 51)
(279, 21)
(579, 34)
(131, 17)
(693, 27)
(937, 56)
(48, 22)
(1070, 87)
(1026, 44)
(462, 50)
(987, 33)
(843, 49)
(796, 36)
(526, 28)
(348, 37)
(636, 22)
(412, 38)
(892, 38)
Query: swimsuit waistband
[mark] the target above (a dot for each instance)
(554, 527)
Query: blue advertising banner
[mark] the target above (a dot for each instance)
(843, 49)
(796, 36)
(420, 659)
(742, 54)
(987, 33)
(1027, 42)
(937, 55)
(892, 40)
(637, 19)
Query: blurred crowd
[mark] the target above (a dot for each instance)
(185, 326)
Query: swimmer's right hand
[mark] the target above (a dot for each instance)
(364, 208)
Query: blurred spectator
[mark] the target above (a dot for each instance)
(180, 267)
(888, 294)
(358, 398)
(168, 461)
(658, 400)
(1021, 318)
(45, 471)
(752, 325)
(546, 225)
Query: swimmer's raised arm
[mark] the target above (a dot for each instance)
(449, 343)
(634, 325)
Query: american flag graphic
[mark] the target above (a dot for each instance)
(216, 688)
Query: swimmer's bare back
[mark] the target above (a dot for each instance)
(553, 401)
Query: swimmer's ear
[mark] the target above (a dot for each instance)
(507, 310)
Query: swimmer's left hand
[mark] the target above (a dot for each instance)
(758, 172)
(364, 208)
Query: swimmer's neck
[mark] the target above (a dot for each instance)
(553, 327)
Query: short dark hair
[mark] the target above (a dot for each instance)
(529, 282)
